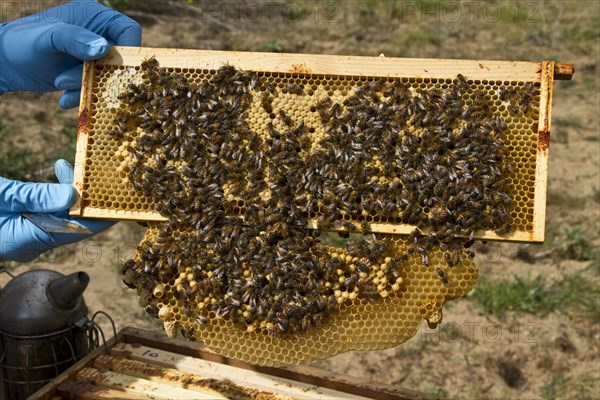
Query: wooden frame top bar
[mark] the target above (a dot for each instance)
(339, 65)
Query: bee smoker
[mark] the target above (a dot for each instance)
(44, 329)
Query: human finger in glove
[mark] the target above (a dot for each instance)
(44, 52)
(20, 239)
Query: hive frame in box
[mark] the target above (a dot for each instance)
(185, 359)
(302, 64)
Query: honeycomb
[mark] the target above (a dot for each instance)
(105, 168)
(248, 166)
(357, 324)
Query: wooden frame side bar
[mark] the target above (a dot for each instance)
(541, 168)
(83, 125)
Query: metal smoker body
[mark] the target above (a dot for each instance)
(44, 329)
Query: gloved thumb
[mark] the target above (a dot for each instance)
(74, 40)
(63, 171)
(70, 79)
(18, 197)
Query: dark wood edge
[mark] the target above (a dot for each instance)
(564, 71)
(48, 391)
(304, 374)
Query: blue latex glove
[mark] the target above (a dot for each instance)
(44, 52)
(20, 239)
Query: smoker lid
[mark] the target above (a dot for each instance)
(42, 301)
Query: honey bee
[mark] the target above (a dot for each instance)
(306, 323)
(351, 281)
(503, 229)
(442, 276)
(364, 226)
(152, 310)
(505, 94)
(270, 87)
(285, 118)
(266, 100)
(294, 88)
(349, 226)
(116, 133)
(149, 64)
(440, 213)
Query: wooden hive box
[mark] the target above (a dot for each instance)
(139, 364)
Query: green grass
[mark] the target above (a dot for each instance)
(295, 11)
(585, 82)
(575, 295)
(274, 46)
(121, 5)
(585, 385)
(144, 10)
(335, 240)
(569, 242)
(561, 136)
(4, 131)
(421, 36)
(555, 388)
(596, 194)
(16, 164)
(568, 123)
(9, 265)
(563, 125)
(520, 294)
(68, 150)
(581, 32)
(19, 164)
(591, 138)
(594, 266)
(564, 387)
(410, 43)
(405, 10)
(437, 391)
(564, 198)
(576, 245)
(513, 14)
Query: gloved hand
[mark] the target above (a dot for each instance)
(20, 239)
(44, 52)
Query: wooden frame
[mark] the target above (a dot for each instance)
(541, 166)
(506, 71)
(156, 351)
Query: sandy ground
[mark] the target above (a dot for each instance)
(471, 354)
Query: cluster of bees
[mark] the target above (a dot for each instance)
(443, 164)
(411, 156)
(520, 101)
